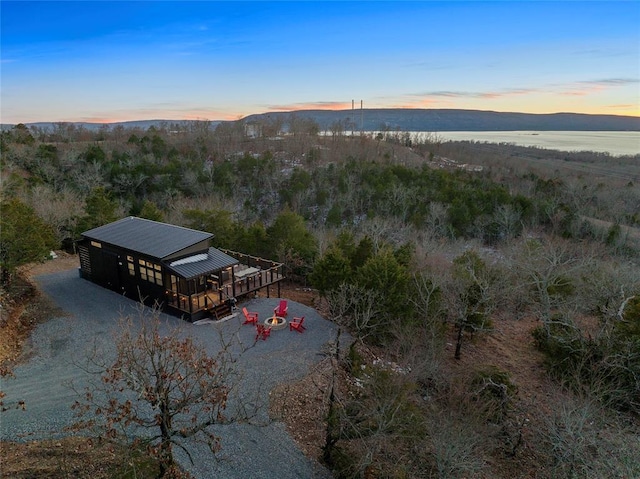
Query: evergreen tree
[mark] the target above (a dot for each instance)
(330, 271)
(100, 209)
(24, 237)
(151, 212)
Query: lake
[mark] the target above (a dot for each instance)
(616, 143)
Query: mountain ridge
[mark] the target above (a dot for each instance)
(458, 120)
(406, 119)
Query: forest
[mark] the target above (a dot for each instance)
(491, 292)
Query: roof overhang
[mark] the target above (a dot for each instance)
(201, 264)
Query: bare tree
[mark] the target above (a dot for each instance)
(92, 175)
(509, 220)
(389, 230)
(437, 223)
(378, 414)
(337, 129)
(398, 202)
(60, 209)
(581, 444)
(354, 307)
(455, 448)
(549, 272)
(471, 296)
(163, 388)
(611, 286)
(427, 296)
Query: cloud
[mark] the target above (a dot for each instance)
(480, 94)
(603, 52)
(587, 87)
(612, 81)
(633, 108)
(578, 88)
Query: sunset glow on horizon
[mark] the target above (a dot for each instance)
(106, 62)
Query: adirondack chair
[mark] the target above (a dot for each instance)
(250, 317)
(262, 332)
(296, 323)
(281, 309)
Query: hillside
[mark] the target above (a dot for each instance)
(457, 120)
(405, 119)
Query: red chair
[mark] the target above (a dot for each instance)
(262, 332)
(250, 317)
(296, 324)
(281, 309)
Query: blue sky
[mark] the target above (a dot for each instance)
(118, 60)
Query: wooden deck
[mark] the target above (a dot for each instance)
(247, 278)
(252, 282)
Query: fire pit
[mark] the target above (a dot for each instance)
(275, 322)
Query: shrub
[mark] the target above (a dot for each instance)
(494, 391)
(559, 341)
(608, 366)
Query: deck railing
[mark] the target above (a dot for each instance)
(252, 261)
(194, 302)
(266, 273)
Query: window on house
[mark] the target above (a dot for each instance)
(131, 266)
(96, 244)
(150, 271)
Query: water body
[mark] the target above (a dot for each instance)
(616, 143)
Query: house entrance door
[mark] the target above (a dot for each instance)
(111, 272)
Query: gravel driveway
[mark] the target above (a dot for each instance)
(58, 349)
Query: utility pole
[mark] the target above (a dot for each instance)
(361, 118)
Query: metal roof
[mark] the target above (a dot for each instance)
(215, 261)
(147, 237)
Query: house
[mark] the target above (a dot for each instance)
(172, 267)
(253, 129)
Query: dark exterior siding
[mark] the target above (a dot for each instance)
(85, 262)
(109, 267)
(137, 258)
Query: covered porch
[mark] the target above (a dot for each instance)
(210, 287)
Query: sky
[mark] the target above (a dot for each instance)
(114, 61)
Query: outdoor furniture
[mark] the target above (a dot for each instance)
(245, 272)
(296, 324)
(262, 332)
(250, 316)
(281, 309)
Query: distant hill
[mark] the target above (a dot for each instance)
(457, 120)
(404, 119)
(142, 124)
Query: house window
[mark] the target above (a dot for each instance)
(96, 244)
(150, 271)
(131, 266)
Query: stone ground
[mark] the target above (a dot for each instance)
(295, 407)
